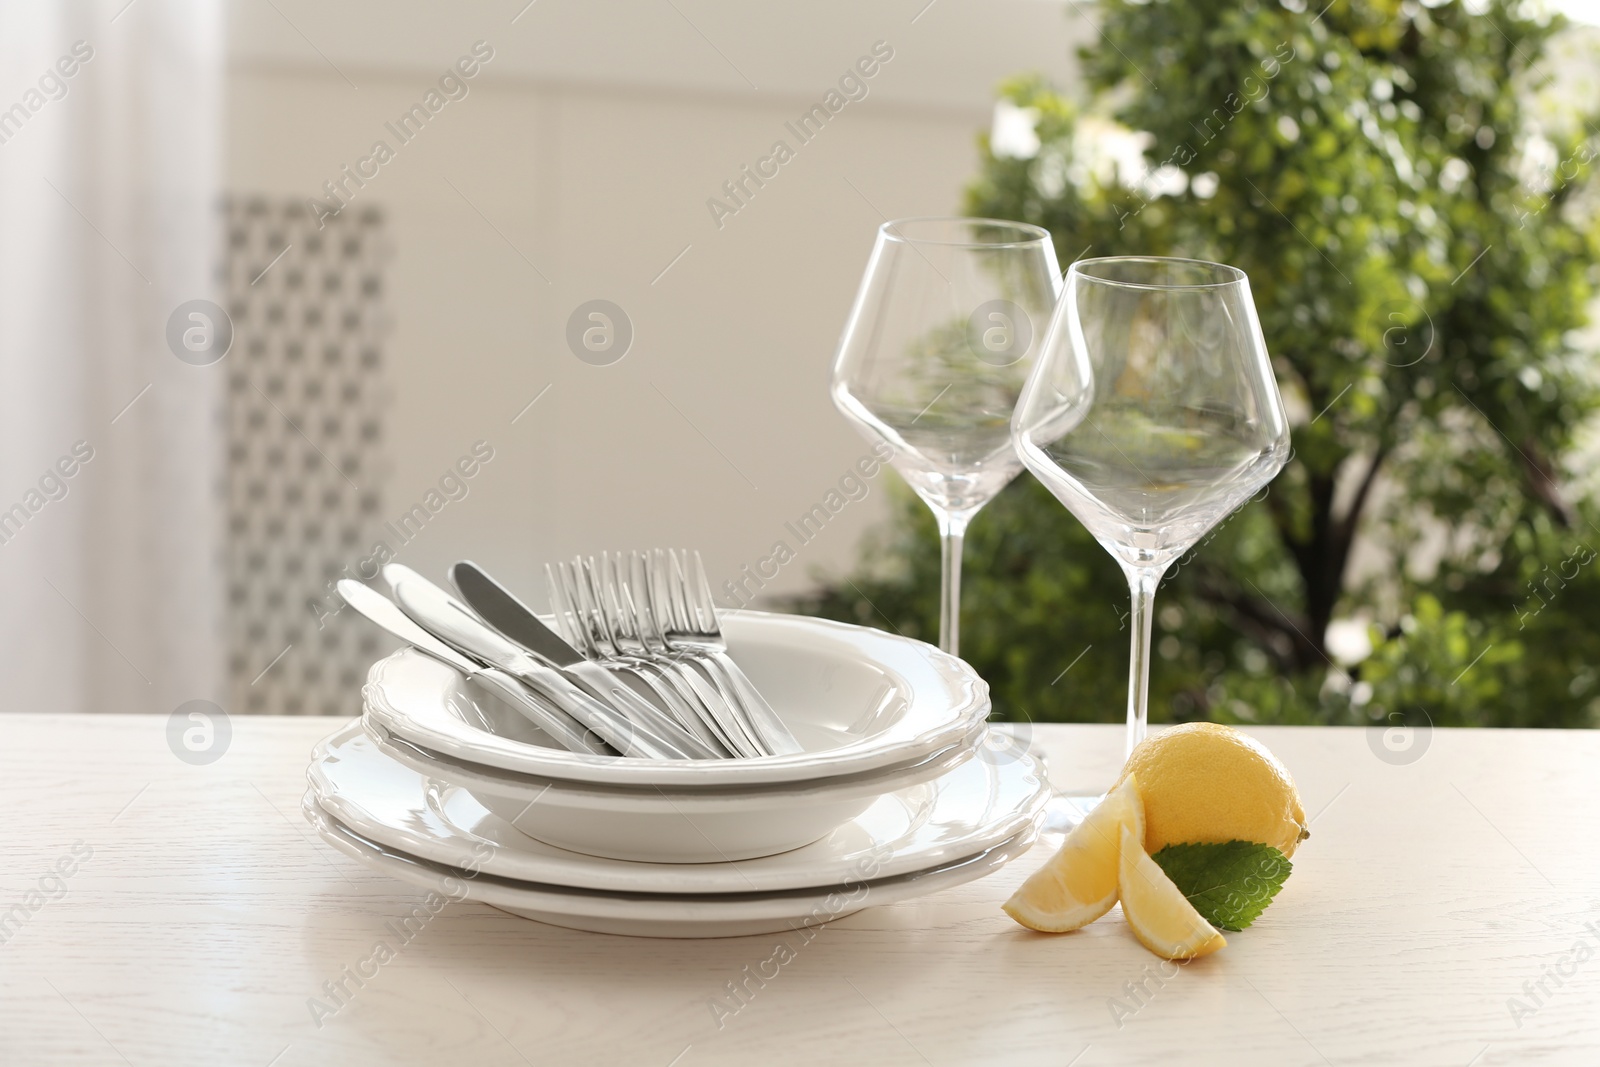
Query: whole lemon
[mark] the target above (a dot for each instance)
(1204, 782)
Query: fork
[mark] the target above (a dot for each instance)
(636, 623)
(617, 622)
(694, 629)
(583, 622)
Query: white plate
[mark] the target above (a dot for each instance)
(856, 698)
(655, 825)
(645, 915)
(961, 813)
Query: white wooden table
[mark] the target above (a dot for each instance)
(1440, 914)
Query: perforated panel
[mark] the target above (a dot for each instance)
(305, 449)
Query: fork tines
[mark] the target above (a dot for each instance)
(652, 614)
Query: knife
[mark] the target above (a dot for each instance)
(502, 610)
(623, 718)
(558, 724)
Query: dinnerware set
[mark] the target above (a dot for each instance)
(459, 777)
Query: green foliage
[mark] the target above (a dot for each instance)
(1411, 195)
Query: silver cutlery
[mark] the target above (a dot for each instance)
(582, 622)
(604, 626)
(657, 619)
(661, 612)
(695, 629)
(560, 726)
(625, 720)
(628, 594)
(505, 612)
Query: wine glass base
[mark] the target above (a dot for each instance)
(1062, 813)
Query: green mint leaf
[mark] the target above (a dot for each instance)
(1231, 884)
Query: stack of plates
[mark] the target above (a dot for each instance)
(443, 786)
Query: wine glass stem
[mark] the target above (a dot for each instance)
(952, 534)
(1142, 583)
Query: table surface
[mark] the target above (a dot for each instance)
(1446, 910)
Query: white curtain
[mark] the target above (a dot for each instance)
(110, 575)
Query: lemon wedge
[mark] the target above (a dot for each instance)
(1079, 883)
(1158, 913)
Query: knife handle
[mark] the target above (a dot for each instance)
(559, 725)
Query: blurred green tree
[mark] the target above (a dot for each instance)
(1410, 192)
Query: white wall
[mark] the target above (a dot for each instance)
(591, 143)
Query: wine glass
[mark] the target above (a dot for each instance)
(1151, 413)
(946, 323)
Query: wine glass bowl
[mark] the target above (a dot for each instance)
(1152, 413)
(934, 356)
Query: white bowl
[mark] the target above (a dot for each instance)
(657, 825)
(858, 699)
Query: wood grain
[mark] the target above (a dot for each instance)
(208, 915)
